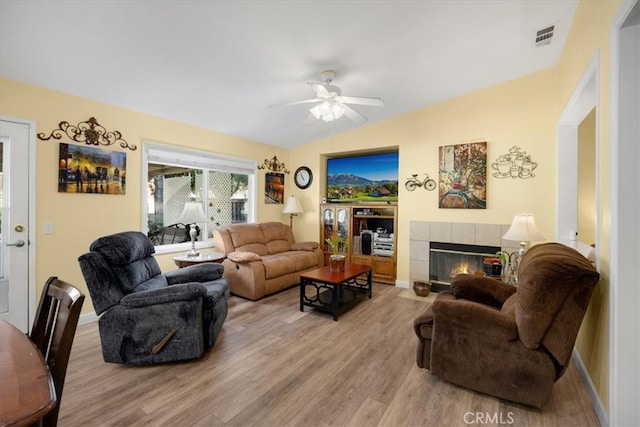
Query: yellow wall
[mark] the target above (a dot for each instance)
(80, 218)
(520, 112)
(587, 179)
(590, 35)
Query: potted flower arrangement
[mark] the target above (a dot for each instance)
(337, 245)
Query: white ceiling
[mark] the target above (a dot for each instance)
(221, 64)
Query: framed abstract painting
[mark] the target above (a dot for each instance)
(463, 176)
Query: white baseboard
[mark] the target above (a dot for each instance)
(402, 284)
(591, 390)
(88, 318)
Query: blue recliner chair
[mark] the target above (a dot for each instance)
(148, 317)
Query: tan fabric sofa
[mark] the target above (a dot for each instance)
(264, 258)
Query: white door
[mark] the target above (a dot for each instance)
(14, 231)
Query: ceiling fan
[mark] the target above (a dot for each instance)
(331, 104)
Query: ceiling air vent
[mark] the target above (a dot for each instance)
(544, 36)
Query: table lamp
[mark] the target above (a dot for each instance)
(292, 207)
(523, 229)
(191, 214)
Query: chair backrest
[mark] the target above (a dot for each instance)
(116, 265)
(53, 332)
(555, 283)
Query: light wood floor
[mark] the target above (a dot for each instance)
(275, 366)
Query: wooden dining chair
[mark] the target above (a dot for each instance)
(53, 332)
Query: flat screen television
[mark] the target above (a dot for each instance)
(363, 178)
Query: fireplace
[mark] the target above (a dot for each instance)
(446, 260)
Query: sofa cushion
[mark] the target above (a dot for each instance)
(303, 259)
(509, 306)
(278, 265)
(276, 231)
(277, 246)
(304, 246)
(159, 281)
(122, 248)
(256, 248)
(136, 272)
(547, 275)
(288, 262)
(248, 238)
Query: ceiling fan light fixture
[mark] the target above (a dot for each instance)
(330, 105)
(327, 111)
(337, 110)
(316, 111)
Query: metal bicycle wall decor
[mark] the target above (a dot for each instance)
(413, 183)
(90, 132)
(514, 164)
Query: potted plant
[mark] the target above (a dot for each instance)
(337, 245)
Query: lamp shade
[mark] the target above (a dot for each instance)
(523, 229)
(192, 213)
(292, 206)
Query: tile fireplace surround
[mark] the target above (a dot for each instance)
(423, 232)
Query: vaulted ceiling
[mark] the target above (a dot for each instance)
(221, 64)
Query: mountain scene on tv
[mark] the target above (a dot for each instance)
(370, 178)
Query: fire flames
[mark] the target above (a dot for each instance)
(462, 268)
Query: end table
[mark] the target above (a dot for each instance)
(185, 261)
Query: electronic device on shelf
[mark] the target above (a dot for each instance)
(366, 238)
(383, 243)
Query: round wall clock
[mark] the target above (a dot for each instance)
(303, 177)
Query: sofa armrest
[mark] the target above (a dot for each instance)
(204, 272)
(485, 290)
(477, 319)
(182, 292)
(240, 256)
(305, 246)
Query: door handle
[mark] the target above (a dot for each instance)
(18, 243)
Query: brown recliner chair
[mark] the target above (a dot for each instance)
(510, 342)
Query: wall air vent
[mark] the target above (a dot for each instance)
(544, 36)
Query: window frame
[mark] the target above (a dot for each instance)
(195, 159)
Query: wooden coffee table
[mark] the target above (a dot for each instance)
(334, 291)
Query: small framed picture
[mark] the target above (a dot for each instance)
(274, 188)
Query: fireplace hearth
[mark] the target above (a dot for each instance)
(446, 260)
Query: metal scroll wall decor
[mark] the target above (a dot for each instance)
(274, 165)
(514, 164)
(90, 132)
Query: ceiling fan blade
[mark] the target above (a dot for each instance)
(361, 100)
(310, 120)
(353, 115)
(321, 91)
(305, 101)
